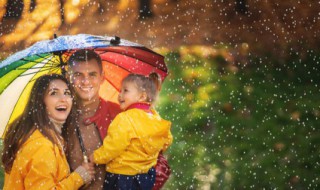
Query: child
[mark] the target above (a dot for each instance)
(135, 137)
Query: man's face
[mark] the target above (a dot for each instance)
(86, 78)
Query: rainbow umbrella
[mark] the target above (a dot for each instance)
(119, 57)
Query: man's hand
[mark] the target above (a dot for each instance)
(90, 169)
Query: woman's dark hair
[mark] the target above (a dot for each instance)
(33, 117)
(150, 84)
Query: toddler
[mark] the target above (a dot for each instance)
(135, 137)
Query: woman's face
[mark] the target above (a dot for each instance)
(58, 100)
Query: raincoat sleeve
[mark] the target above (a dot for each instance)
(116, 141)
(169, 142)
(43, 172)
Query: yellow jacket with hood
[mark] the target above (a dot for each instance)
(133, 142)
(39, 164)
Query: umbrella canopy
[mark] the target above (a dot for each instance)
(119, 58)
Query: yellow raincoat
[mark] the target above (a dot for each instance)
(41, 165)
(133, 142)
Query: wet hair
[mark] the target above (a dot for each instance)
(150, 84)
(84, 55)
(33, 117)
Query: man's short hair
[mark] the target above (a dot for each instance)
(84, 55)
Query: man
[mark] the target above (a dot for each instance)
(93, 114)
(93, 117)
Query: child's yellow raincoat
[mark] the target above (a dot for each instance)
(133, 142)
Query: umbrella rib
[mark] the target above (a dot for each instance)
(32, 61)
(44, 70)
(112, 84)
(52, 68)
(25, 59)
(35, 67)
(45, 58)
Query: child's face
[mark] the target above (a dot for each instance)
(130, 94)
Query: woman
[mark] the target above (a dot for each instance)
(33, 155)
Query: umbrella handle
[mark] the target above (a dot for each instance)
(83, 149)
(85, 159)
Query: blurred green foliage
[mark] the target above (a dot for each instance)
(247, 125)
